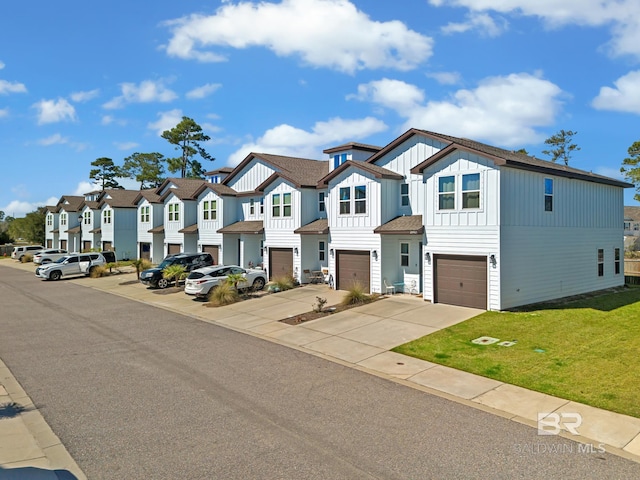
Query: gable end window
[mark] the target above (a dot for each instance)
(616, 261)
(601, 262)
(262, 206)
(63, 219)
(144, 214)
(174, 212)
(49, 220)
(345, 200)
(209, 210)
(286, 204)
(548, 195)
(106, 216)
(360, 194)
(446, 193)
(275, 205)
(471, 190)
(404, 194)
(87, 217)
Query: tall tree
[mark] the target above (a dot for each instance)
(146, 168)
(1, 215)
(563, 147)
(187, 137)
(105, 173)
(31, 226)
(631, 168)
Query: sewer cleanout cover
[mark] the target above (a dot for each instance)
(485, 340)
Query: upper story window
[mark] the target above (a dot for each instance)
(286, 204)
(174, 212)
(87, 217)
(275, 205)
(471, 190)
(345, 200)
(404, 254)
(210, 210)
(281, 205)
(252, 207)
(262, 206)
(601, 262)
(339, 160)
(106, 216)
(63, 219)
(321, 204)
(627, 225)
(447, 193)
(404, 194)
(548, 195)
(636, 226)
(49, 220)
(144, 214)
(215, 179)
(360, 198)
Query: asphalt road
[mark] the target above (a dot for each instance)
(135, 392)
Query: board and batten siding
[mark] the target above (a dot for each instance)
(252, 175)
(278, 231)
(208, 229)
(369, 220)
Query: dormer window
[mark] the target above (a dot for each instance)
(215, 179)
(339, 159)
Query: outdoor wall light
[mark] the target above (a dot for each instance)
(375, 254)
(295, 250)
(332, 252)
(427, 257)
(493, 260)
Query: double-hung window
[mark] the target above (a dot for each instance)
(275, 205)
(404, 254)
(49, 220)
(345, 200)
(404, 194)
(360, 194)
(86, 216)
(174, 212)
(616, 261)
(322, 250)
(471, 190)
(447, 193)
(144, 214)
(106, 216)
(548, 195)
(252, 207)
(321, 204)
(286, 204)
(210, 210)
(601, 262)
(63, 219)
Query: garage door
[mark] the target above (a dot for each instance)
(461, 280)
(213, 250)
(86, 245)
(63, 244)
(173, 248)
(107, 246)
(353, 266)
(49, 243)
(280, 262)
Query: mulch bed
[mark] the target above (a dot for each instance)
(306, 317)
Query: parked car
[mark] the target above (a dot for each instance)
(49, 255)
(201, 281)
(22, 250)
(72, 264)
(190, 261)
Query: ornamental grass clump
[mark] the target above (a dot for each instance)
(356, 295)
(223, 294)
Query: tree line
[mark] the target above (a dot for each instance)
(149, 168)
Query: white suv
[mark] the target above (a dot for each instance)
(49, 255)
(72, 264)
(22, 250)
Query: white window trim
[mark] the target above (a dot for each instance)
(407, 255)
(457, 192)
(173, 212)
(322, 251)
(352, 200)
(405, 195)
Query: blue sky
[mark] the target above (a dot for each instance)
(83, 80)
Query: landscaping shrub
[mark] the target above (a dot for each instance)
(175, 272)
(283, 282)
(141, 264)
(98, 271)
(223, 294)
(26, 258)
(356, 295)
(319, 305)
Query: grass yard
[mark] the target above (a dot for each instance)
(586, 350)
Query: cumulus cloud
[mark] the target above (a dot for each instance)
(625, 97)
(147, 91)
(203, 91)
(394, 94)
(53, 111)
(445, 78)
(4, 112)
(1, 65)
(126, 145)
(502, 110)
(166, 121)
(292, 141)
(84, 96)
(323, 33)
(19, 208)
(11, 87)
(55, 139)
(481, 22)
(622, 17)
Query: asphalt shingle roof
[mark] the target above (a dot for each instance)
(317, 227)
(247, 226)
(404, 225)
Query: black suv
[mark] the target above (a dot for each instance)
(190, 261)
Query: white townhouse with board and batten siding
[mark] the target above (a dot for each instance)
(504, 229)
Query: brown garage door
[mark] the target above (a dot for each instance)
(353, 266)
(280, 262)
(49, 243)
(173, 248)
(86, 245)
(461, 280)
(63, 244)
(213, 250)
(107, 246)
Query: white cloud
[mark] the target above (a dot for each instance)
(52, 111)
(621, 16)
(19, 208)
(147, 91)
(126, 145)
(625, 97)
(291, 141)
(84, 96)
(482, 22)
(55, 139)
(1, 65)
(11, 87)
(166, 121)
(445, 78)
(609, 172)
(394, 94)
(203, 91)
(501, 110)
(85, 187)
(324, 33)
(4, 112)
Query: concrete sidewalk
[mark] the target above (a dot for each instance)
(362, 337)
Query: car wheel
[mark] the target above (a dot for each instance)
(163, 283)
(55, 275)
(258, 284)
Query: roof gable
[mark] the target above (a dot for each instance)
(378, 172)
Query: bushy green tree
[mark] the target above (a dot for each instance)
(563, 147)
(631, 168)
(105, 173)
(146, 168)
(29, 227)
(187, 137)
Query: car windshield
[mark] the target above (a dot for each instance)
(166, 262)
(61, 260)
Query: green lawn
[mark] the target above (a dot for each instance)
(586, 350)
